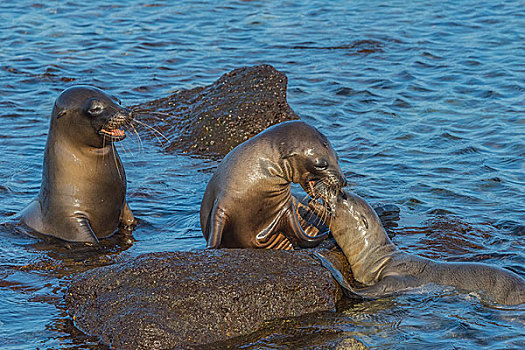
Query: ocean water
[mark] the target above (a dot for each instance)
(423, 101)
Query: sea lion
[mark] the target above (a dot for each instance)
(383, 269)
(248, 201)
(82, 196)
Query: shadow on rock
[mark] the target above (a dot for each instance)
(321, 330)
(210, 121)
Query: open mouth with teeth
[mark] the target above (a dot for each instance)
(112, 133)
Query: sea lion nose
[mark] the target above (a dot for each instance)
(342, 180)
(125, 115)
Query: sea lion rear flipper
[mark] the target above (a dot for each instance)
(215, 226)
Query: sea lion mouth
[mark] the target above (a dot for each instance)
(113, 133)
(322, 192)
(113, 130)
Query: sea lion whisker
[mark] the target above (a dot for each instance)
(155, 131)
(127, 149)
(324, 214)
(141, 145)
(310, 216)
(154, 113)
(306, 198)
(132, 128)
(313, 217)
(327, 196)
(320, 190)
(115, 160)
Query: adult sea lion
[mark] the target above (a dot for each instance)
(383, 269)
(82, 196)
(248, 201)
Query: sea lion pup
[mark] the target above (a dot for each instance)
(248, 201)
(83, 193)
(383, 269)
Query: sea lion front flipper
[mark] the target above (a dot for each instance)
(31, 215)
(304, 240)
(78, 229)
(215, 226)
(127, 220)
(348, 290)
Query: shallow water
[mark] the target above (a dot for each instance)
(424, 103)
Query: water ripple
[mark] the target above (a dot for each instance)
(423, 102)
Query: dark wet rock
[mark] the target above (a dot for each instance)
(511, 227)
(451, 236)
(448, 237)
(212, 120)
(182, 299)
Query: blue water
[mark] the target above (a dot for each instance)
(423, 101)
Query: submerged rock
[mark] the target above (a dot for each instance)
(212, 120)
(184, 299)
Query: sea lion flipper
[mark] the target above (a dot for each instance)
(387, 286)
(127, 220)
(31, 215)
(80, 230)
(215, 226)
(348, 290)
(305, 240)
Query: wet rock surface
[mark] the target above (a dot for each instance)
(186, 299)
(212, 120)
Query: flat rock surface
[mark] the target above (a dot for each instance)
(185, 299)
(210, 121)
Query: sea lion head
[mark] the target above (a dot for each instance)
(88, 115)
(347, 213)
(310, 159)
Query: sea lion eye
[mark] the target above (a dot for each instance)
(94, 108)
(321, 164)
(119, 102)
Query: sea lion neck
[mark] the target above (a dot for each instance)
(69, 142)
(360, 234)
(278, 165)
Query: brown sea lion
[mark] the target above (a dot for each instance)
(82, 196)
(248, 201)
(383, 269)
